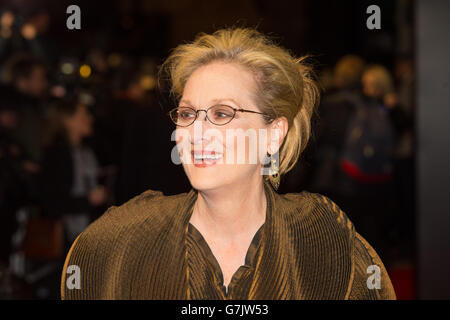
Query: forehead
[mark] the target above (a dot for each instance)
(219, 80)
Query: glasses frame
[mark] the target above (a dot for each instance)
(235, 110)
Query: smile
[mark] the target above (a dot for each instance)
(205, 158)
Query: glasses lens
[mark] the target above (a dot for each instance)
(221, 114)
(183, 116)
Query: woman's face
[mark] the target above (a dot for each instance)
(80, 123)
(369, 85)
(236, 149)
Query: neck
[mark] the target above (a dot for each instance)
(231, 211)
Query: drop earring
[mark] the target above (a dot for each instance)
(274, 176)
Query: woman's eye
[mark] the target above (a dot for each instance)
(222, 114)
(186, 115)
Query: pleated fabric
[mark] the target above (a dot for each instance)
(307, 248)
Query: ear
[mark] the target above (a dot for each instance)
(277, 132)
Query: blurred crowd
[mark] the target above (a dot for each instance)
(79, 133)
(362, 153)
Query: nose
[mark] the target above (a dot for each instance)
(198, 135)
(198, 115)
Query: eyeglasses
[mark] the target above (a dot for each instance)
(219, 115)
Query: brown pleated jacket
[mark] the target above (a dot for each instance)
(146, 248)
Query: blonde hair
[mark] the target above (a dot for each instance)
(382, 78)
(284, 83)
(348, 70)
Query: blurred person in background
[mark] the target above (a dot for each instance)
(27, 78)
(20, 144)
(341, 86)
(26, 84)
(334, 112)
(347, 73)
(70, 171)
(378, 85)
(360, 123)
(12, 171)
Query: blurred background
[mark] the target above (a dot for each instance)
(83, 125)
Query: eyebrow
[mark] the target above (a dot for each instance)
(214, 101)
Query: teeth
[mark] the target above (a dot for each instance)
(207, 156)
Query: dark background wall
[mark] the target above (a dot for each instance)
(433, 149)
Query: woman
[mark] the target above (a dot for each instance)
(231, 236)
(70, 172)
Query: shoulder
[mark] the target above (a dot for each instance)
(370, 278)
(323, 220)
(321, 238)
(314, 208)
(119, 239)
(152, 207)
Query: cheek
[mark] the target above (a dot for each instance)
(181, 137)
(247, 146)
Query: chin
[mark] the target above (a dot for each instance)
(206, 183)
(217, 177)
(206, 179)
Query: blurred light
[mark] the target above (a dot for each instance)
(114, 59)
(85, 71)
(67, 68)
(147, 82)
(28, 31)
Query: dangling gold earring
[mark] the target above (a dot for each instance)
(274, 176)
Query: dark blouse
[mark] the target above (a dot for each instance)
(207, 268)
